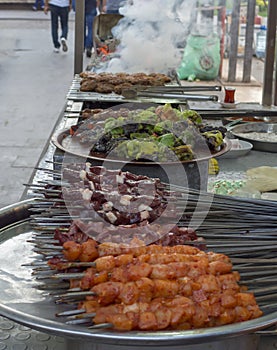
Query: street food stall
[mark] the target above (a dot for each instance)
(127, 177)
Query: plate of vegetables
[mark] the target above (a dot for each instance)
(158, 134)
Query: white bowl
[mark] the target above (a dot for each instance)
(239, 148)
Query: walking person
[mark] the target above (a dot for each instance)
(90, 12)
(59, 9)
(38, 3)
(91, 7)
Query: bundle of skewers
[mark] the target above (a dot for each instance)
(189, 277)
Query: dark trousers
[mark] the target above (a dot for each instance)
(39, 3)
(112, 11)
(56, 13)
(89, 18)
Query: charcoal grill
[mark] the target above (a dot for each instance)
(75, 94)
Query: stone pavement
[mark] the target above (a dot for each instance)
(34, 84)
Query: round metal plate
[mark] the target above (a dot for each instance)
(66, 143)
(23, 302)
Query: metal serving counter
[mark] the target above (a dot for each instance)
(15, 336)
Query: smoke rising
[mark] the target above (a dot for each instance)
(151, 34)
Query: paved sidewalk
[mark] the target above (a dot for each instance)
(34, 84)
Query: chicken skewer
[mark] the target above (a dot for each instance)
(179, 312)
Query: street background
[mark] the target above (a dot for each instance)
(34, 84)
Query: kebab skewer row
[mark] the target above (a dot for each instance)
(133, 272)
(90, 250)
(178, 312)
(221, 301)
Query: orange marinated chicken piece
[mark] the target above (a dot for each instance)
(146, 288)
(219, 267)
(138, 271)
(182, 310)
(92, 277)
(185, 286)
(170, 271)
(182, 249)
(218, 257)
(102, 313)
(89, 251)
(165, 288)
(109, 248)
(105, 263)
(123, 259)
(229, 281)
(72, 250)
(89, 305)
(147, 321)
(121, 322)
(107, 292)
(209, 283)
(228, 300)
(119, 274)
(163, 317)
(129, 293)
(197, 268)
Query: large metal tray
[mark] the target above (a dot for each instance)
(66, 143)
(192, 173)
(23, 302)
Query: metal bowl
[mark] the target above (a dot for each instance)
(242, 132)
(246, 119)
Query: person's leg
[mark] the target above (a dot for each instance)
(35, 7)
(89, 33)
(64, 21)
(113, 11)
(54, 25)
(88, 36)
(64, 24)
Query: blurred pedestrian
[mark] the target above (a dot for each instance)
(38, 3)
(112, 6)
(59, 9)
(91, 8)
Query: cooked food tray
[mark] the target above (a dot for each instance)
(24, 302)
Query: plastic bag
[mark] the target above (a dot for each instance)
(201, 58)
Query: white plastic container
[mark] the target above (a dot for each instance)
(261, 42)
